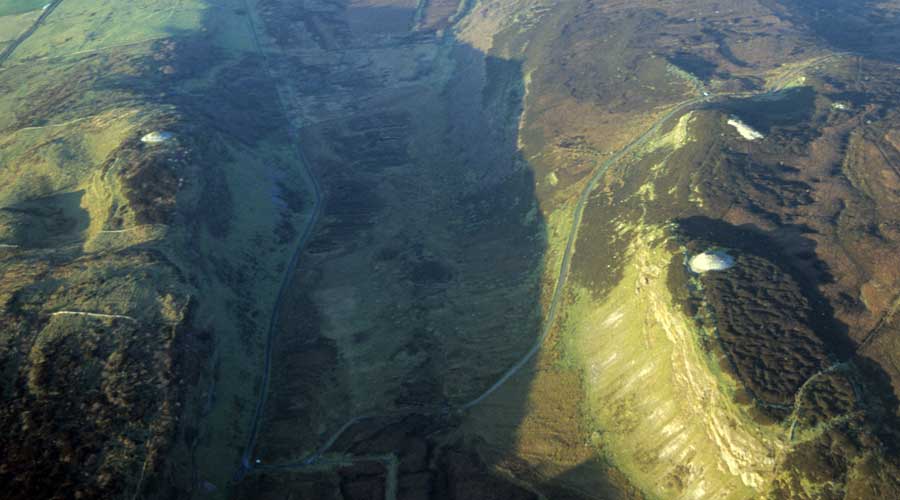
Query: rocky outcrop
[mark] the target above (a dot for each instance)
(662, 409)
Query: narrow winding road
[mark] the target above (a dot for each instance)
(8, 51)
(286, 279)
(578, 212)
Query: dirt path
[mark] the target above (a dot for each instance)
(94, 315)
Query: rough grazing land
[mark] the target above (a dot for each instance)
(440, 249)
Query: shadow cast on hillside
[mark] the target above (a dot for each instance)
(858, 26)
(450, 294)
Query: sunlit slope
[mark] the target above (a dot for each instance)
(130, 268)
(83, 26)
(771, 378)
(732, 383)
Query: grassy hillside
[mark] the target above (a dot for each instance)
(12, 7)
(135, 268)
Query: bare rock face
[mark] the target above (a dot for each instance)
(747, 132)
(157, 137)
(711, 260)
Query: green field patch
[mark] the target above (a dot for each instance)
(12, 7)
(77, 27)
(11, 26)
